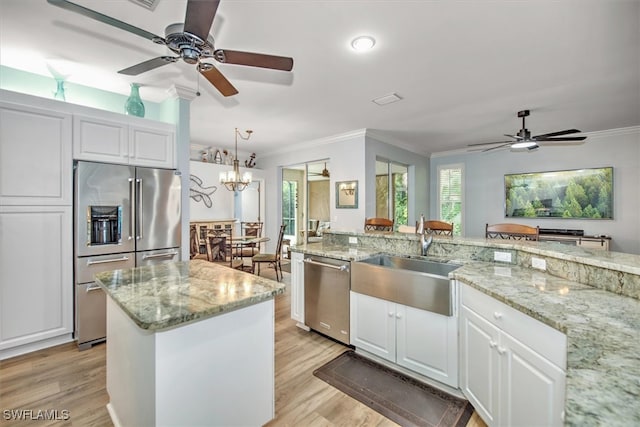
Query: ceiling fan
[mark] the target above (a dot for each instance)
(191, 41)
(524, 140)
(324, 173)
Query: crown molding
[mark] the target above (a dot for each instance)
(372, 133)
(320, 141)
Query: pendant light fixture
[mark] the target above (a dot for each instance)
(232, 180)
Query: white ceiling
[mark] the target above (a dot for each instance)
(462, 68)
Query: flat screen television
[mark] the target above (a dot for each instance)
(577, 194)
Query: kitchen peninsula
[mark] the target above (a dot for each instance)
(189, 343)
(590, 296)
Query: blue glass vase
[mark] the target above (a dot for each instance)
(59, 95)
(134, 105)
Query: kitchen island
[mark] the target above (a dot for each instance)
(590, 296)
(189, 344)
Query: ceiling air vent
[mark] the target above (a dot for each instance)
(147, 4)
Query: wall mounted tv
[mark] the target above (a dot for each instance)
(578, 193)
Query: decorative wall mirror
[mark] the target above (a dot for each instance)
(347, 194)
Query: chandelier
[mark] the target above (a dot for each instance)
(232, 179)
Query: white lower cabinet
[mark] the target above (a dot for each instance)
(511, 366)
(419, 340)
(36, 278)
(297, 287)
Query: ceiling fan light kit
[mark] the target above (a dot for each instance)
(191, 42)
(524, 140)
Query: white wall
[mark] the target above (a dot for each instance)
(484, 184)
(351, 156)
(224, 203)
(418, 182)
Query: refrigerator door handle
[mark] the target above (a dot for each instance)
(131, 208)
(139, 230)
(163, 255)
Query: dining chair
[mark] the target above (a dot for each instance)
(512, 231)
(439, 227)
(253, 229)
(272, 259)
(194, 244)
(220, 248)
(378, 224)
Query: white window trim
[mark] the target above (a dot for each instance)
(462, 191)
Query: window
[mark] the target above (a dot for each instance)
(450, 191)
(391, 194)
(289, 205)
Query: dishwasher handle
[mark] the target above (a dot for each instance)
(343, 267)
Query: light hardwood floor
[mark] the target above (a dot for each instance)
(63, 378)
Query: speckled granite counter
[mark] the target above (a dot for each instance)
(602, 326)
(166, 295)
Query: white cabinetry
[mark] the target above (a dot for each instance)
(35, 156)
(511, 366)
(112, 138)
(419, 340)
(36, 283)
(297, 287)
(36, 255)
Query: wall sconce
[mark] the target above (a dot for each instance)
(347, 194)
(348, 189)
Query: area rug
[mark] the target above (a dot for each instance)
(402, 399)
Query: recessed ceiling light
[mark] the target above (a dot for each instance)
(363, 43)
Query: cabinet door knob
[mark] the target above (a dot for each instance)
(493, 344)
(497, 315)
(501, 350)
(398, 315)
(391, 314)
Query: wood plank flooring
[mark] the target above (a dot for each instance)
(63, 378)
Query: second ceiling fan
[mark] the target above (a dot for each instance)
(524, 140)
(191, 42)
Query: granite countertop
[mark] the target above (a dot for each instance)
(602, 328)
(167, 295)
(603, 337)
(335, 251)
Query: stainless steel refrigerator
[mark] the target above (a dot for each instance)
(125, 216)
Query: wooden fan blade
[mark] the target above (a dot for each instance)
(64, 4)
(148, 65)
(216, 78)
(254, 59)
(566, 138)
(562, 132)
(491, 143)
(199, 17)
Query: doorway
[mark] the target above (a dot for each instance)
(306, 200)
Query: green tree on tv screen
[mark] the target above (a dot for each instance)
(585, 193)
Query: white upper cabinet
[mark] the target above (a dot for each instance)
(123, 140)
(100, 139)
(35, 156)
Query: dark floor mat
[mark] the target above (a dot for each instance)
(400, 398)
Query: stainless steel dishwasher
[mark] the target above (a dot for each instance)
(326, 296)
